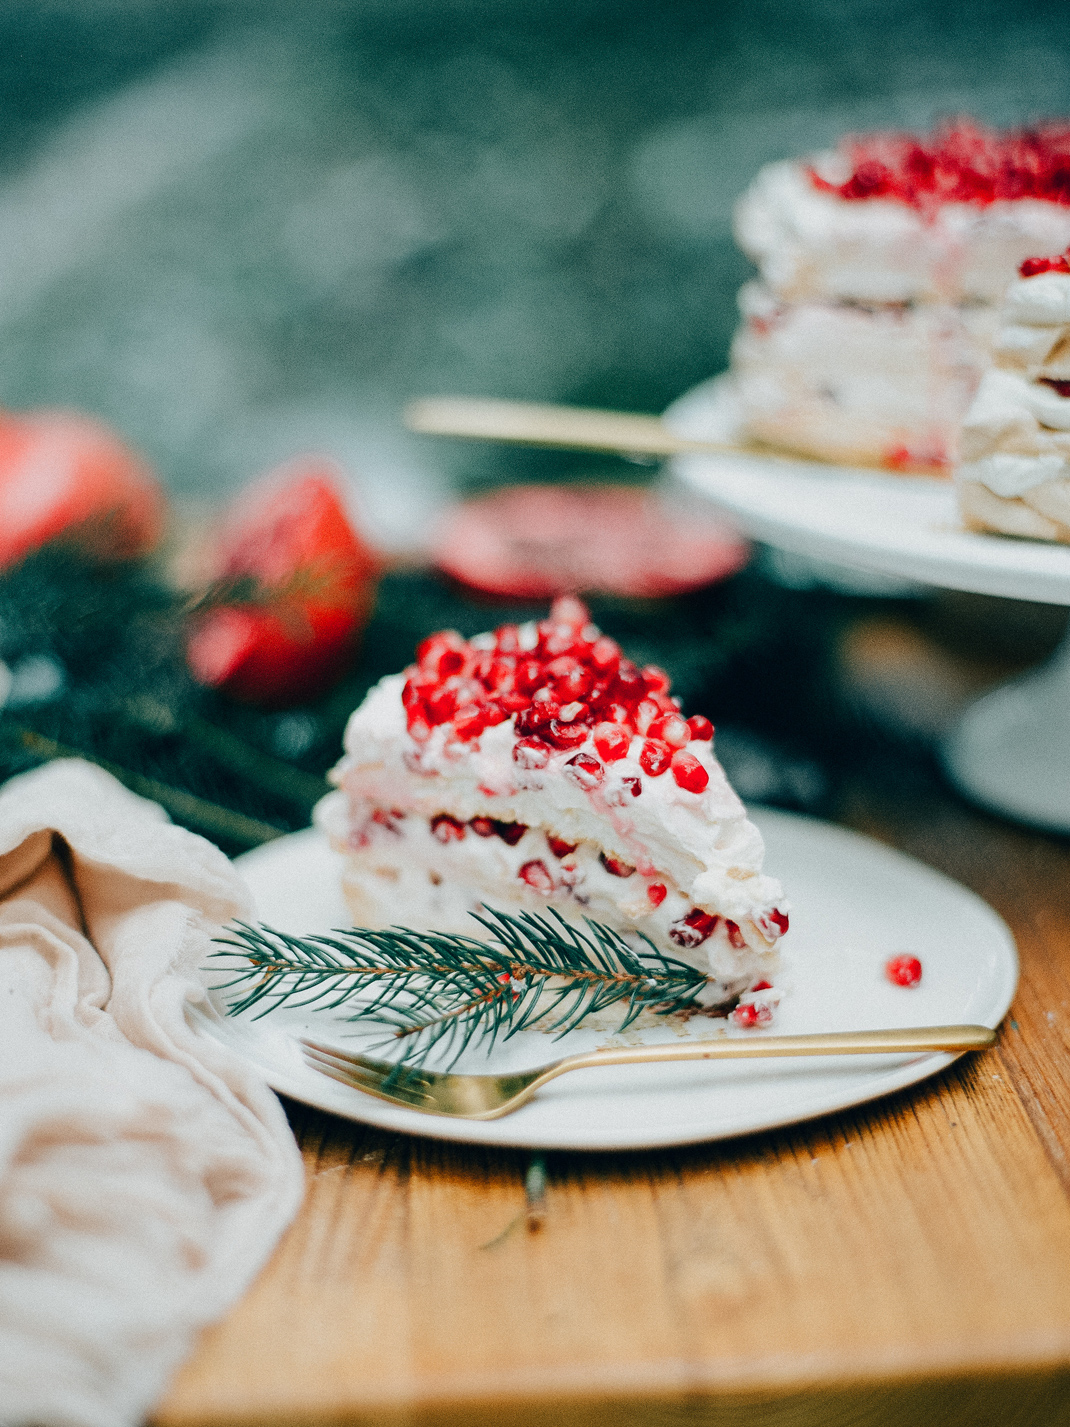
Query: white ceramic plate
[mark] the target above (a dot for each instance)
(900, 525)
(853, 904)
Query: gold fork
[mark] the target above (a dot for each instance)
(487, 1097)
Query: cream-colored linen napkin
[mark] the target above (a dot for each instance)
(145, 1175)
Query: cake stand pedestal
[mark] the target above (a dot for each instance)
(1011, 750)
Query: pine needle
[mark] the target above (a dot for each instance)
(435, 991)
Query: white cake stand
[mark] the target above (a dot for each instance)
(1011, 750)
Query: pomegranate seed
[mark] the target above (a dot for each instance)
(612, 741)
(762, 986)
(535, 874)
(469, 722)
(779, 919)
(617, 713)
(531, 753)
(559, 847)
(529, 675)
(507, 639)
(903, 970)
(614, 865)
(656, 892)
(645, 715)
(689, 772)
(585, 770)
(605, 654)
(512, 703)
(482, 827)
(536, 717)
(494, 712)
(567, 609)
(510, 833)
(388, 819)
(570, 679)
(574, 713)
(671, 729)
(634, 785)
(442, 654)
(501, 677)
(700, 727)
(655, 679)
(655, 757)
(693, 929)
(419, 728)
(735, 936)
(745, 1015)
(447, 829)
(630, 687)
(566, 735)
(556, 639)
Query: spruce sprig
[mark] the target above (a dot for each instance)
(439, 992)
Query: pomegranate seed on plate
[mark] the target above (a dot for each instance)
(655, 679)
(903, 970)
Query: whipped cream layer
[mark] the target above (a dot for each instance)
(883, 384)
(812, 244)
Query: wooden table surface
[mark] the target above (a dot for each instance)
(906, 1263)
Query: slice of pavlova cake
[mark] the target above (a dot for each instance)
(536, 767)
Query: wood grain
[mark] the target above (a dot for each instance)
(905, 1263)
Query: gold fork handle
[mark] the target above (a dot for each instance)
(533, 424)
(909, 1041)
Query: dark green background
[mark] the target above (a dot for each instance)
(240, 231)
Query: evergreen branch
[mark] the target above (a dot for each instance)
(437, 991)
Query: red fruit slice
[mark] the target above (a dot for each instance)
(531, 542)
(289, 564)
(62, 474)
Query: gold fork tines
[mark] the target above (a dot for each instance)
(487, 1097)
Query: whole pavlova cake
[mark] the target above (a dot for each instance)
(536, 767)
(882, 264)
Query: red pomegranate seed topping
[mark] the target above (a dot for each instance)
(576, 712)
(903, 970)
(959, 163)
(570, 679)
(671, 729)
(655, 757)
(645, 714)
(617, 713)
(531, 753)
(762, 986)
(510, 833)
(693, 929)
(419, 728)
(586, 771)
(735, 936)
(655, 679)
(634, 785)
(536, 717)
(612, 741)
(615, 866)
(780, 920)
(656, 892)
(470, 721)
(447, 829)
(1033, 267)
(566, 735)
(529, 675)
(442, 654)
(689, 772)
(482, 827)
(535, 874)
(567, 609)
(629, 687)
(556, 639)
(559, 847)
(507, 639)
(605, 654)
(747, 1015)
(700, 727)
